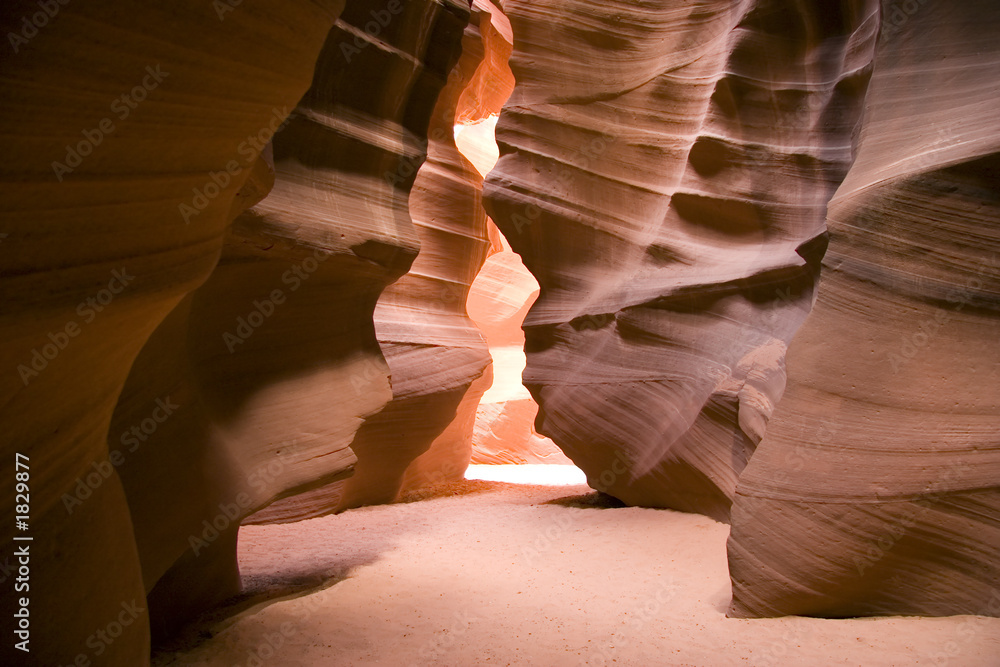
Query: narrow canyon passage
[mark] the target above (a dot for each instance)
(500, 332)
(492, 573)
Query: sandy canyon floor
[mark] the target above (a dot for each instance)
(493, 573)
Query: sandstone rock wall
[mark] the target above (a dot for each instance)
(664, 174)
(277, 350)
(115, 116)
(436, 355)
(875, 490)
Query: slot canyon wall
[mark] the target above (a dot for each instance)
(664, 173)
(438, 359)
(202, 327)
(877, 487)
(276, 355)
(110, 239)
(700, 161)
(114, 114)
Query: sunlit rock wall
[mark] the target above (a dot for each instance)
(875, 490)
(664, 174)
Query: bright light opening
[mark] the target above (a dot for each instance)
(544, 474)
(505, 446)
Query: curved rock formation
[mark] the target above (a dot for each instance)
(696, 147)
(877, 487)
(435, 353)
(120, 121)
(285, 322)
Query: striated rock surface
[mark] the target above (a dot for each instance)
(115, 118)
(278, 349)
(435, 354)
(876, 490)
(664, 174)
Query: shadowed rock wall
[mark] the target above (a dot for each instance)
(277, 350)
(116, 116)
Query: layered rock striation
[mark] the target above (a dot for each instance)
(437, 357)
(664, 174)
(128, 130)
(875, 490)
(277, 351)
